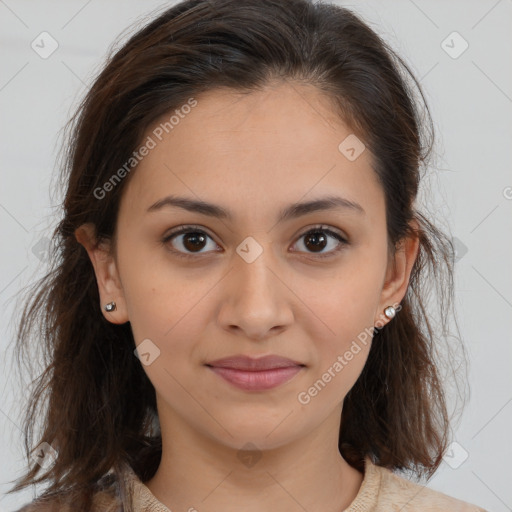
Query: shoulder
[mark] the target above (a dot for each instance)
(398, 493)
(104, 500)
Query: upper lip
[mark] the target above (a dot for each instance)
(241, 362)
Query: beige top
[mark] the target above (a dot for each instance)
(381, 491)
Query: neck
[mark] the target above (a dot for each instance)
(196, 472)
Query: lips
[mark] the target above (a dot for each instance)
(251, 374)
(246, 363)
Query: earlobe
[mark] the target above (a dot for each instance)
(111, 294)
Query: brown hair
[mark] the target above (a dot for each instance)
(101, 409)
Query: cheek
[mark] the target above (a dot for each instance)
(341, 316)
(168, 322)
(341, 339)
(159, 294)
(169, 311)
(344, 301)
(342, 351)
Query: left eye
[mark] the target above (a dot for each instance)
(193, 239)
(317, 239)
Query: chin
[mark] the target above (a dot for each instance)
(264, 433)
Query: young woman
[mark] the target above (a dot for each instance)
(236, 317)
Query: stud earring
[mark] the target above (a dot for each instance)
(111, 306)
(390, 312)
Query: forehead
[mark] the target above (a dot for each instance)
(273, 146)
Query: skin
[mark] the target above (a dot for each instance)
(254, 155)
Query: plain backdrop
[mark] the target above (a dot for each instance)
(460, 50)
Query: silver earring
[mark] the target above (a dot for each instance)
(111, 306)
(390, 312)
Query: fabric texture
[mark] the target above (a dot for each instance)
(381, 491)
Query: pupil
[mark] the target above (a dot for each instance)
(197, 240)
(316, 237)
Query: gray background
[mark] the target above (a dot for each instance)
(470, 96)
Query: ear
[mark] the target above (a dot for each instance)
(398, 274)
(105, 268)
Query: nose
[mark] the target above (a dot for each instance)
(257, 301)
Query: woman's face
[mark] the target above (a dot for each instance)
(252, 282)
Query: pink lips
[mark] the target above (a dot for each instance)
(256, 374)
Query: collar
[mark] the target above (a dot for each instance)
(365, 501)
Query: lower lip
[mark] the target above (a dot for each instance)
(257, 380)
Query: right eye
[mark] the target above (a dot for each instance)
(189, 238)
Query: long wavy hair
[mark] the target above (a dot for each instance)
(99, 406)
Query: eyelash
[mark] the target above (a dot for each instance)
(193, 229)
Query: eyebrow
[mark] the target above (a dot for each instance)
(290, 212)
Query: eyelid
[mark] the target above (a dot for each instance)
(331, 231)
(323, 227)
